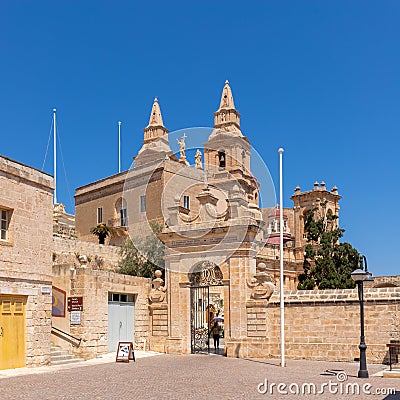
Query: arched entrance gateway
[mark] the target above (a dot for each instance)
(205, 307)
(210, 267)
(210, 261)
(212, 235)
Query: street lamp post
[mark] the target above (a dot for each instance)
(359, 276)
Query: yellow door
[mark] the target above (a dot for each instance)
(12, 331)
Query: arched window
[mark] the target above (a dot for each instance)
(120, 208)
(222, 159)
(186, 202)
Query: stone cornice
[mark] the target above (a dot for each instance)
(314, 297)
(26, 173)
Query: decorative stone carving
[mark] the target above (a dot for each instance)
(261, 284)
(59, 208)
(157, 293)
(197, 158)
(182, 147)
(206, 273)
(83, 260)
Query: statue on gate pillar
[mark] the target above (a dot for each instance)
(157, 293)
(261, 284)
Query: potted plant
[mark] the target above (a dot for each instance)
(102, 231)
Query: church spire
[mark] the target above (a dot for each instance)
(227, 117)
(155, 116)
(227, 98)
(155, 128)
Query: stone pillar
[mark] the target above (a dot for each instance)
(178, 315)
(240, 273)
(159, 326)
(159, 314)
(253, 341)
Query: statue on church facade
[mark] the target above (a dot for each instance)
(182, 147)
(197, 158)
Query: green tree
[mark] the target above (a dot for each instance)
(102, 231)
(148, 259)
(328, 264)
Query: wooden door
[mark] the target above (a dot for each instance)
(12, 331)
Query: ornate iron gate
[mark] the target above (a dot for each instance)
(199, 319)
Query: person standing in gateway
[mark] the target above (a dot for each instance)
(216, 330)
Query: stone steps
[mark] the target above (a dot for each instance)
(394, 373)
(59, 356)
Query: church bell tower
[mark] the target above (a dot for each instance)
(227, 151)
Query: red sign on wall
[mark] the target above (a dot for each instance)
(75, 303)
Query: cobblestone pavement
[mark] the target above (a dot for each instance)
(193, 377)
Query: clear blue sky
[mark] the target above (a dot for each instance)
(319, 78)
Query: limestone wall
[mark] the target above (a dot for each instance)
(326, 324)
(67, 252)
(25, 254)
(384, 281)
(94, 286)
(104, 193)
(322, 325)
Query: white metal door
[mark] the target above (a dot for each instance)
(120, 323)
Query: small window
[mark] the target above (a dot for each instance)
(143, 203)
(222, 159)
(100, 215)
(272, 226)
(19, 307)
(121, 297)
(186, 202)
(6, 307)
(123, 217)
(4, 224)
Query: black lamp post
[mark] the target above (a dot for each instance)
(359, 276)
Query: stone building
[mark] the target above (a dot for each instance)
(126, 201)
(113, 307)
(222, 250)
(26, 245)
(63, 223)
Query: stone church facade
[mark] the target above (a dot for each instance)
(221, 258)
(147, 192)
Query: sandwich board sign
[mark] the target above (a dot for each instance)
(125, 352)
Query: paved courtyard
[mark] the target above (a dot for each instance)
(191, 377)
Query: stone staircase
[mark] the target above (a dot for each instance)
(59, 356)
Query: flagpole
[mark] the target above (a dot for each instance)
(119, 146)
(282, 303)
(55, 156)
